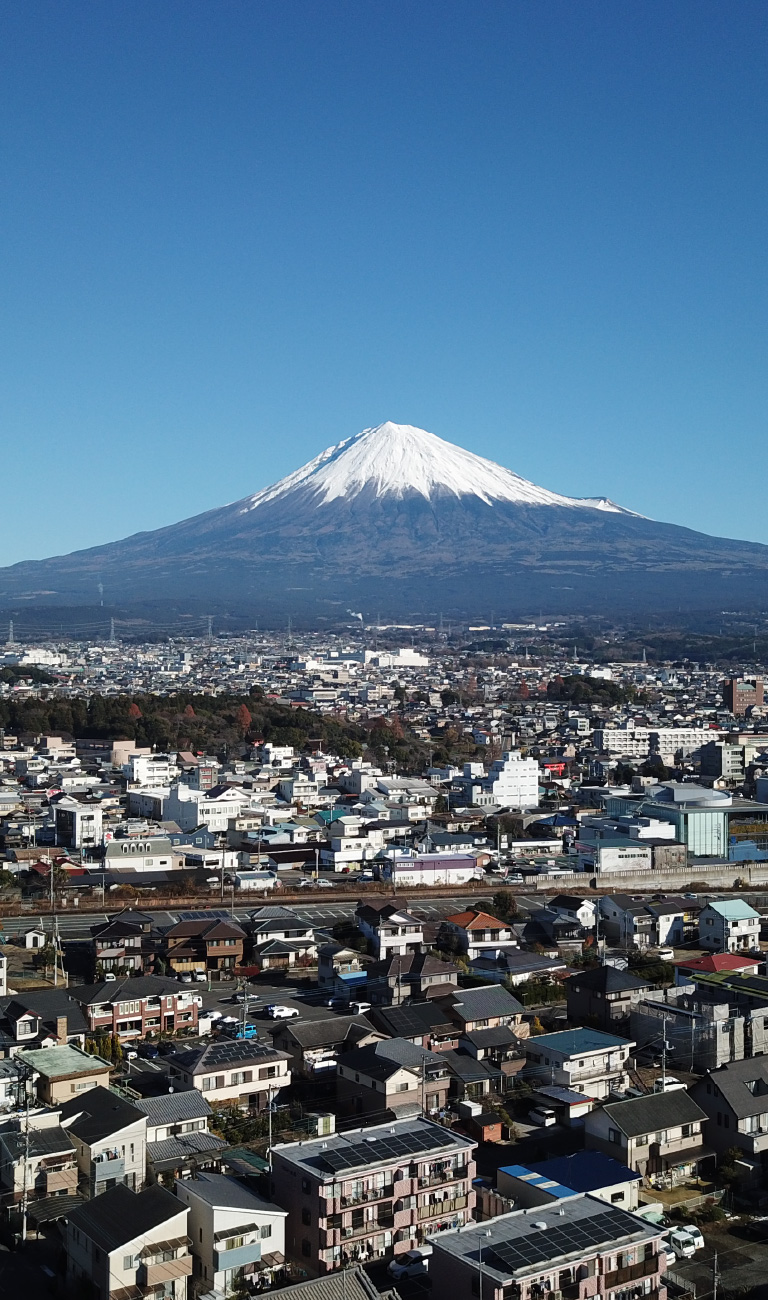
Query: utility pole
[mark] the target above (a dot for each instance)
(485, 1233)
(715, 1276)
(24, 1193)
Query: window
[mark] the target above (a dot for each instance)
(306, 1248)
(616, 1197)
(127, 1261)
(306, 1186)
(614, 1135)
(265, 1230)
(306, 1217)
(207, 1081)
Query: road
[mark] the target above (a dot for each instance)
(77, 925)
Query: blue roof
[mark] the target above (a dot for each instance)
(539, 1180)
(573, 1041)
(734, 909)
(585, 1171)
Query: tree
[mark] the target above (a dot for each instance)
(536, 1027)
(116, 1050)
(134, 711)
(244, 719)
(189, 712)
(523, 691)
(504, 904)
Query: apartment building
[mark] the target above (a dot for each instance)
(372, 1192)
(129, 1244)
(580, 1248)
(246, 1074)
(236, 1236)
(133, 1008)
(659, 1136)
(584, 1060)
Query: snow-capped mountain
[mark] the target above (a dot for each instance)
(397, 521)
(396, 459)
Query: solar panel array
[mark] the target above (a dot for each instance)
(207, 915)
(558, 1239)
(392, 1146)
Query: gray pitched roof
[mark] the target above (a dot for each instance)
(174, 1106)
(42, 1142)
(120, 1215)
(483, 1003)
(97, 1113)
(744, 1085)
(347, 1284)
(659, 1110)
(322, 1033)
(223, 1190)
(606, 979)
(174, 1151)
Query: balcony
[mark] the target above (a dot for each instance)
(373, 1194)
(51, 1182)
(238, 1257)
(106, 1166)
(443, 1176)
(619, 1276)
(155, 1274)
(442, 1208)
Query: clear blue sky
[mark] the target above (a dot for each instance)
(233, 232)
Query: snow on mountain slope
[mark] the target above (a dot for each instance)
(395, 459)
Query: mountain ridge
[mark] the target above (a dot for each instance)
(399, 520)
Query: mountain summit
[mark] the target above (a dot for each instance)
(395, 459)
(396, 521)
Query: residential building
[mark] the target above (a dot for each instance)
(207, 944)
(241, 1073)
(636, 742)
(399, 978)
(280, 939)
(514, 967)
(133, 1008)
(589, 1061)
(603, 997)
(235, 1235)
(512, 782)
(392, 1075)
(110, 1137)
(77, 820)
(178, 1140)
(356, 1286)
(424, 1023)
(390, 929)
(313, 1047)
(125, 943)
(342, 970)
(688, 968)
(63, 1072)
(575, 907)
(587, 1249)
(474, 933)
(44, 1018)
(41, 1161)
(484, 1008)
(701, 1032)
(729, 925)
(128, 1244)
(546, 1181)
(372, 1192)
(659, 1136)
(734, 1099)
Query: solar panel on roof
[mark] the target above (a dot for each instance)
(204, 916)
(560, 1239)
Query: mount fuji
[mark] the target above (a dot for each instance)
(396, 520)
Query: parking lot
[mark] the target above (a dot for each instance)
(740, 1256)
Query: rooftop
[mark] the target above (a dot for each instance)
(571, 1042)
(119, 1215)
(383, 1144)
(61, 1062)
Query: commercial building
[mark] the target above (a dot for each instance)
(741, 694)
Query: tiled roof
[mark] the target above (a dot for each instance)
(118, 1216)
(659, 1110)
(174, 1106)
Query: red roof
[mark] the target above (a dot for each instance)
(711, 963)
(474, 920)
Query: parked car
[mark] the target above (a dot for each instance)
(337, 1003)
(185, 977)
(665, 954)
(148, 1051)
(542, 1116)
(201, 976)
(242, 1031)
(682, 1243)
(667, 1083)
(414, 1263)
(215, 1015)
(130, 1054)
(277, 1012)
(695, 1235)
(358, 1008)
(324, 884)
(671, 1257)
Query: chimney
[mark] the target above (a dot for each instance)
(61, 1030)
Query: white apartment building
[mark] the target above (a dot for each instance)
(512, 782)
(212, 808)
(234, 1233)
(631, 741)
(583, 1060)
(150, 769)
